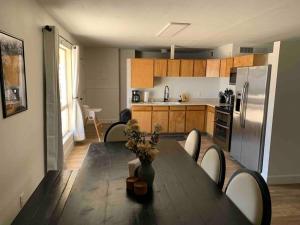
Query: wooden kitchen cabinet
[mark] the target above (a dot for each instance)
(195, 118)
(142, 71)
(160, 67)
(160, 116)
(143, 114)
(177, 119)
(173, 67)
(199, 68)
(213, 67)
(186, 68)
(210, 120)
(225, 67)
(250, 60)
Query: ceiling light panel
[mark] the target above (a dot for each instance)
(172, 29)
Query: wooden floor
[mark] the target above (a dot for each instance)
(285, 198)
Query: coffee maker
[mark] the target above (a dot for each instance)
(136, 97)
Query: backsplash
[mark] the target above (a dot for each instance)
(194, 87)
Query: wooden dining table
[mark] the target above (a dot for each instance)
(182, 192)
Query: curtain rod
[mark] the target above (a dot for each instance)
(49, 28)
(66, 40)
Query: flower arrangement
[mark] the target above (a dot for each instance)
(145, 149)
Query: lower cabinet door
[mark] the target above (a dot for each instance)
(144, 120)
(161, 118)
(210, 123)
(195, 119)
(176, 121)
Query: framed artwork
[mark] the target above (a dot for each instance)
(12, 75)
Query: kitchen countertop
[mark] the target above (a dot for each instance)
(208, 102)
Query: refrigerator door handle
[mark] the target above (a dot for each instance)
(245, 98)
(242, 106)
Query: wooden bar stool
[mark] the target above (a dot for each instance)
(90, 115)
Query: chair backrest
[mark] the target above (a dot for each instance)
(125, 115)
(91, 115)
(115, 133)
(193, 143)
(250, 193)
(213, 163)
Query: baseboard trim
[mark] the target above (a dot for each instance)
(284, 179)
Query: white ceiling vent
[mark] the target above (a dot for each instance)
(172, 29)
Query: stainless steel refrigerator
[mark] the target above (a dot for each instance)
(249, 116)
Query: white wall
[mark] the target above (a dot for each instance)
(101, 67)
(21, 136)
(81, 86)
(223, 51)
(124, 55)
(284, 154)
(273, 59)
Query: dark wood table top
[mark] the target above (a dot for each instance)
(182, 192)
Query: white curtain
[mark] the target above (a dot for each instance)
(78, 127)
(52, 111)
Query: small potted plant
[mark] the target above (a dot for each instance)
(145, 149)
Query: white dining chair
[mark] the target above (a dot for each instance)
(193, 143)
(213, 163)
(250, 193)
(116, 133)
(90, 115)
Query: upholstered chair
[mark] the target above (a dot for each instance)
(249, 192)
(115, 133)
(193, 143)
(213, 163)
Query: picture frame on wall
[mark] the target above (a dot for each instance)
(12, 75)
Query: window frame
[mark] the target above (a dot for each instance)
(68, 92)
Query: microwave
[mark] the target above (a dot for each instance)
(232, 77)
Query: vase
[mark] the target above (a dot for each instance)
(146, 173)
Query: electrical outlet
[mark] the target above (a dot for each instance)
(21, 200)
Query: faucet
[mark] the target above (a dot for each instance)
(166, 93)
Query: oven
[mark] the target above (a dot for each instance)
(223, 124)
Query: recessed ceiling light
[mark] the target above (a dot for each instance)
(172, 29)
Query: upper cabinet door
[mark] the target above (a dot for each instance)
(243, 60)
(213, 67)
(160, 67)
(250, 60)
(142, 73)
(222, 67)
(199, 68)
(225, 67)
(173, 67)
(187, 68)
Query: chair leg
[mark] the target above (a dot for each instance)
(100, 126)
(97, 131)
(85, 121)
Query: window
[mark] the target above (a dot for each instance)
(65, 87)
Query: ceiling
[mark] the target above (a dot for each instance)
(135, 23)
